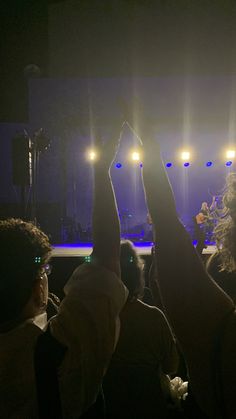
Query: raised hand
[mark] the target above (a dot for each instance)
(106, 226)
(137, 118)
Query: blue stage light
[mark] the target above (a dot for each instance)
(118, 165)
(209, 164)
(186, 164)
(228, 163)
(168, 164)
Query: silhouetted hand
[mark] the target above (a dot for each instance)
(137, 118)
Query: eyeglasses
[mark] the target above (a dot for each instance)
(46, 269)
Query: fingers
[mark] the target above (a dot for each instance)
(137, 118)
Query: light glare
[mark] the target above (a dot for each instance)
(135, 156)
(91, 155)
(230, 154)
(185, 155)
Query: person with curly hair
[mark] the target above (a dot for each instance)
(222, 264)
(25, 252)
(85, 329)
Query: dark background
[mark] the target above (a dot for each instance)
(184, 50)
(112, 38)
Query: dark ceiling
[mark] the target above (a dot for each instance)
(142, 37)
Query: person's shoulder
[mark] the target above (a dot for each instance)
(153, 311)
(216, 256)
(155, 320)
(214, 262)
(93, 277)
(93, 281)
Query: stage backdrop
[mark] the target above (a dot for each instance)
(197, 113)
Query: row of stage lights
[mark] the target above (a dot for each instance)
(135, 156)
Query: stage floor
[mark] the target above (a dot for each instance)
(85, 249)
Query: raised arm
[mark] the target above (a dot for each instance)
(88, 319)
(195, 305)
(153, 282)
(189, 294)
(106, 226)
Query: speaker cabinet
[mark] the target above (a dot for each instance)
(21, 160)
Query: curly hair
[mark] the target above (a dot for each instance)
(225, 231)
(24, 250)
(131, 269)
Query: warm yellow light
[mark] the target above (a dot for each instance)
(135, 156)
(91, 155)
(230, 154)
(185, 155)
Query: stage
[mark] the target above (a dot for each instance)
(66, 257)
(85, 249)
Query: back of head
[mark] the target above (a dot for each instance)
(131, 269)
(24, 251)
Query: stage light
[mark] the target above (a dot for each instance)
(135, 156)
(185, 155)
(92, 155)
(209, 164)
(228, 163)
(141, 165)
(118, 165)
(186, 164)
(168, 164)
(230, 154)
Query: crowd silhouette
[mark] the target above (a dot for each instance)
(103, 352)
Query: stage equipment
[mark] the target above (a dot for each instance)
(39, 144)
(21, 160)
(25, 161)
(21, 157)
